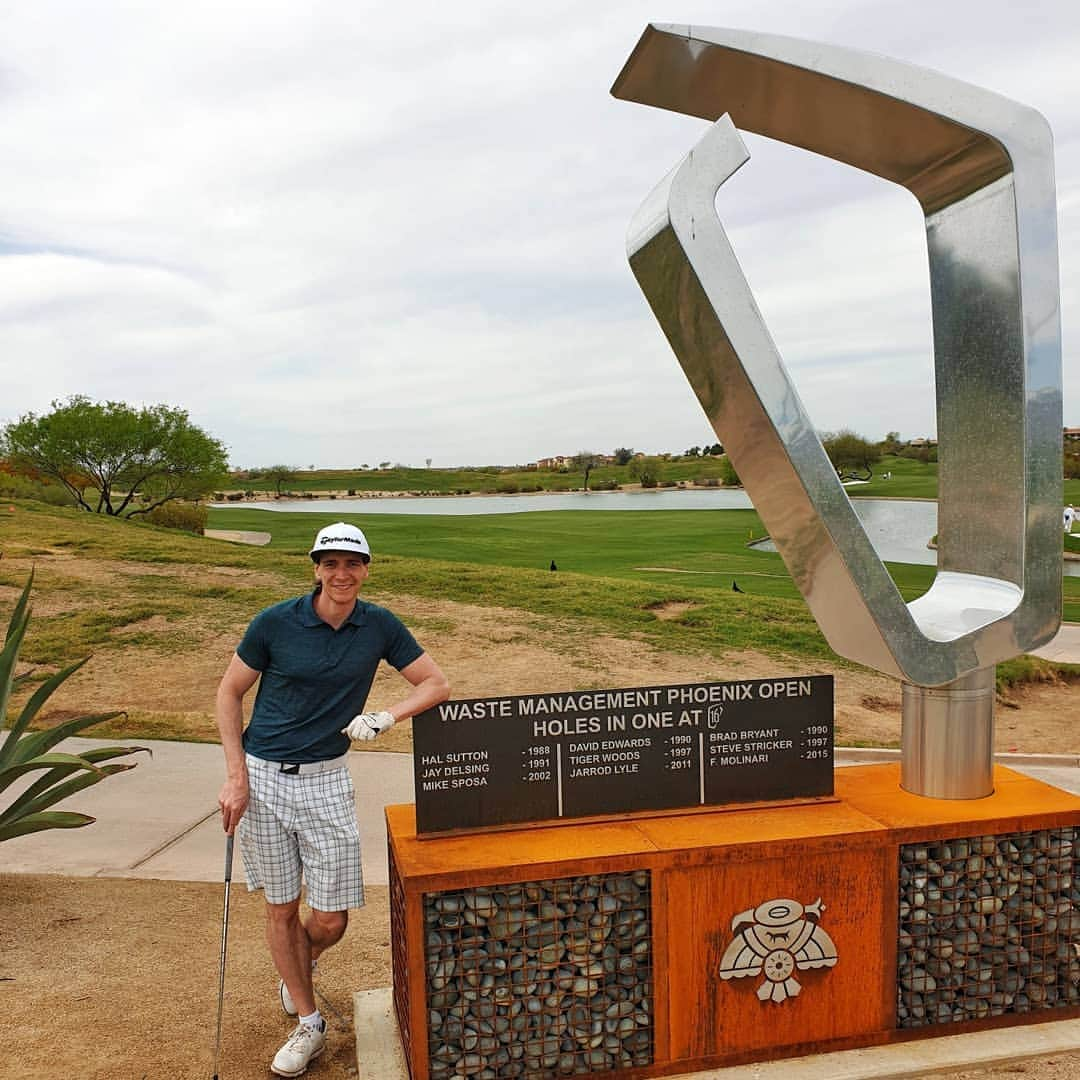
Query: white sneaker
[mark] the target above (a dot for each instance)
(302, 1046)
(287, 1004)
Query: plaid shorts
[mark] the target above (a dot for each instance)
(302, 827)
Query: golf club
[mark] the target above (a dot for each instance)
(224, 943)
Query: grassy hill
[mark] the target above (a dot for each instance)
(128, 590)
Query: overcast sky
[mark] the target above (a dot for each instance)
(338, 236)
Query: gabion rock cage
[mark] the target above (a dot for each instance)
(542, 979)
(988, 925)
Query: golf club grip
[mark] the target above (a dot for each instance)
(228, 857)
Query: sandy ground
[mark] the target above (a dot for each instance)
(484, 651)
(105, 978)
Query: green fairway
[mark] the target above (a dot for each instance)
(672, 551)
(604, 583)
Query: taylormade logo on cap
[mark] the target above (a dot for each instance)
(340, 537)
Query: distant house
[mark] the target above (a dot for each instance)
(1071, 434)
(920, 441)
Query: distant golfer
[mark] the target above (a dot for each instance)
(1068, 518)
(288, 791)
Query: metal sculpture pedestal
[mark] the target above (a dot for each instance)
(947, 738)
(661, 945)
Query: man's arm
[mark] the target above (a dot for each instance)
(237, 681)
(430, 686)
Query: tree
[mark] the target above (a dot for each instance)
(891, 444)
(120, 453)
(427, 461)
(624, 455)
(278, 474)
(384, 464)
(728, 474)
(646, 470)
(694, 451)
(852, 456)
(586, 461)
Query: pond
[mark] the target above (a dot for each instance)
(899, 529)
(667, 499)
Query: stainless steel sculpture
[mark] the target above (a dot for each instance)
(981, 167)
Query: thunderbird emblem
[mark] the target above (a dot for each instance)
(775, 939)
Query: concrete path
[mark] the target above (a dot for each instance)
(1064, 648)
(379, 1055)
(160, 820)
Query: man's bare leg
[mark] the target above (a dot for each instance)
(294, 943)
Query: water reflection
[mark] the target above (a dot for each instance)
(678, 499)
(899, 529)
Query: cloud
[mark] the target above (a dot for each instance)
(336, 234)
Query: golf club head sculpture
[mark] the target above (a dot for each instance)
(981, 167)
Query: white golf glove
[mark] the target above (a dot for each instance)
(368, 725)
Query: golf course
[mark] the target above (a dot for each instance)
(638, 598)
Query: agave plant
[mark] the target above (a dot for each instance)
(23, 751)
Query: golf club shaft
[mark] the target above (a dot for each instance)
(224, 944)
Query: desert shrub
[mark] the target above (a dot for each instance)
(605, 485)
(191, 517)
(29, 754)
(23, 487)
(728, 473)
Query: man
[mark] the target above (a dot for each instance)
(288, 791)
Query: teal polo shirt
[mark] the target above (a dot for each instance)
(315, 679)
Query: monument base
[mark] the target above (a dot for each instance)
(663, 945)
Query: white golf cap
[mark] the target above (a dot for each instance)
(340, 537)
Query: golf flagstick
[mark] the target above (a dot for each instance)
(224, 943)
